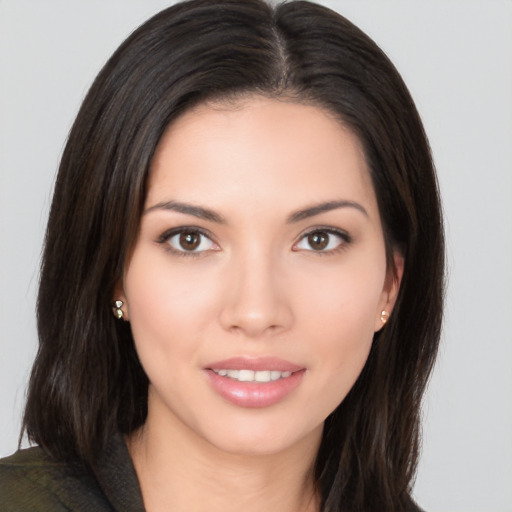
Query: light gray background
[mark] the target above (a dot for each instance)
(456, 57)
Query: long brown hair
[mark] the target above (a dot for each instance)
(87, 382)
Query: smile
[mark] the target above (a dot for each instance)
(254, 382)
(252, 375)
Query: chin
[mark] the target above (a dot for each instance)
(256, 438)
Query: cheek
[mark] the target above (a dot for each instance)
(341, 320)
(168, 306)
(345, 303)
(340, 354)
(343, 339)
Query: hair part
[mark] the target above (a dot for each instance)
(87, 382)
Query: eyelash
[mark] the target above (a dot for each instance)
(345, 238)
(165, 237)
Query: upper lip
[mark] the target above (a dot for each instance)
(255, 363)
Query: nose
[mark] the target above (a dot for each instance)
(257, 302)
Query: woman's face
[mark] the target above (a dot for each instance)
(259, 274)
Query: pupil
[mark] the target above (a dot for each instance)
(318, 240)
(189, 241)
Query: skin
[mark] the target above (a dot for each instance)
(255, 286)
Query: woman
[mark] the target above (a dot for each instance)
(241, 289)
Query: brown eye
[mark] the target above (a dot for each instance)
(318, 240)
(189, 241)
(323, 240)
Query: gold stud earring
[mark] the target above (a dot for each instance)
(118, 312)
(384, 317)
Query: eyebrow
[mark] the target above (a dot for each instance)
(316, 209)
(188, 209)
(212, 216)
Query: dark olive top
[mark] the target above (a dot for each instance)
(31, 481)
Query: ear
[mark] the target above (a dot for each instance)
(121, 296)
(390, 291)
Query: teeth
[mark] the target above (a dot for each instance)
(262, 376)
(245, 375)
(253, 376)
(275, 375)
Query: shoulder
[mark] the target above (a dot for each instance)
(31, 480)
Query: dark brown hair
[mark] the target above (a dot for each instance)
(87, 382)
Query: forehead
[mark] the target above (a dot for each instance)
(259, 148)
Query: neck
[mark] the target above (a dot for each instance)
(180, 471)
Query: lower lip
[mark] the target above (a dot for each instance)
(254, 394)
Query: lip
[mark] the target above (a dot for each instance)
(254, 394)
(255, 364)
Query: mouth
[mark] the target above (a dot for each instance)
(253, 376)
(254, 382)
